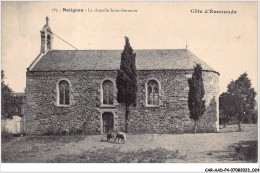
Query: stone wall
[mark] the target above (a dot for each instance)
(85, 112)
(172, 116)
(43, 113)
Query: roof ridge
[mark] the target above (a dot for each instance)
(109, 49)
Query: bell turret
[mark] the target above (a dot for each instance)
(46, 37)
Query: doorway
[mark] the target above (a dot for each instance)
(108, 122)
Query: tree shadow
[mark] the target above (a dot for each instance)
(249, 152)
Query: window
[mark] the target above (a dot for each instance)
(108, 92)
(49, 42)
(152, 92)
(64, 93)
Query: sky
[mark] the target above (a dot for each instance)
(226, 42)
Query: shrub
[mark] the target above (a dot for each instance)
(6, 136)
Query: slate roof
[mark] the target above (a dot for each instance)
(63, 60)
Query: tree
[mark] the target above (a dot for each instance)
(225, 108)
(254, 116)
(196, 94)
(243, 98)
(7, 99)
(126, 81)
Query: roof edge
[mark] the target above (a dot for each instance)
(35, 61)
(188, 50)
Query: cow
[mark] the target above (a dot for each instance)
(110, 135)
(122, 136)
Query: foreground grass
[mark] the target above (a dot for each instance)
(42, 139)
(114, 155)
(143, 148)
(32, 148)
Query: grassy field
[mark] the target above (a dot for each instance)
(157, 148)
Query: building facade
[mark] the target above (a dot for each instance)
(76, 89)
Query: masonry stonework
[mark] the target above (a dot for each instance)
(43, 114)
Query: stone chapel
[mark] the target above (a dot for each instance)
(76, 89)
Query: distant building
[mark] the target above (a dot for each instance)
(15, 125)
(76, 89)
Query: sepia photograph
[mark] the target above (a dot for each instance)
(130, 82)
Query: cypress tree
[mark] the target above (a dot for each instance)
(126, 81)
(196, 94)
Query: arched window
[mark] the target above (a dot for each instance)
(64, 93)
(48, 42)
(152, 92)
(108, 92)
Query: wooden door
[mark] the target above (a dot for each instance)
(108, 122)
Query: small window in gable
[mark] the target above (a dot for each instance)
(152, 92)
(64, 93)
(108, 92)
